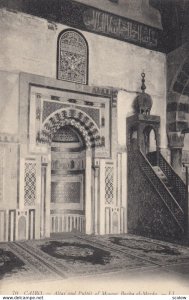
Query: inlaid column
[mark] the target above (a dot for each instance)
(176, 143)
(88, 198)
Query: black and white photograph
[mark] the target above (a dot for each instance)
(94, 147)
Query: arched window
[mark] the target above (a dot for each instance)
(72, 57)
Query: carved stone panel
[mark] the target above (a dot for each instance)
(72, 57)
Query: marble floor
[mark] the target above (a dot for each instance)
(65, 257)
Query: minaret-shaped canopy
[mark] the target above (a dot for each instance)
(143, 102)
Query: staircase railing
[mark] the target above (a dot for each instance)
(178, 185)
(163, 192)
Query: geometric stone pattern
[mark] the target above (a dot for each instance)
(72, 57)
(65, 192)
(29, 184)
(94, 113)
(65, 135)
(75, 118)
(50, 106)
(148, 215)
(109, 184)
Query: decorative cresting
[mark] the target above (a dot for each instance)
(70, 117)
(143, 102)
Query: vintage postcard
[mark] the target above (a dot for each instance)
(94, 147)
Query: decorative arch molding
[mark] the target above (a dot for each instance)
(180, 81)
(178, 90)
(73, 117)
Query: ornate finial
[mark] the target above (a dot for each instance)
(143, 102)
(143, 87)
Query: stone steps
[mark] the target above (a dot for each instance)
(163, 177)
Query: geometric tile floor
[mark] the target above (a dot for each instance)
(79, 256)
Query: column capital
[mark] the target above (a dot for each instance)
(44, 160)
(176, 140)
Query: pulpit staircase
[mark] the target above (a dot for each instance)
(156, 195)
(169, 185)
(169, 188)
(169, 178)
(165, 180)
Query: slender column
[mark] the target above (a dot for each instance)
(102, 198)
(43, 196)
(119, 180)
(22, 183)
(176, 143)
(48, 195)
(12, 226)
(96, 198)
(157, 145)
(88, 198)
(124, 190)
(7, 226)
(31, 225)
(36, 216)
(2, 226)
(176, 159)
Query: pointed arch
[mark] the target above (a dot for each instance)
(150, 138)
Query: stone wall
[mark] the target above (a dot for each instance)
(30, 45)
(9, 87)
(28, 55)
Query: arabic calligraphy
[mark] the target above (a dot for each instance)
(118, 27)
